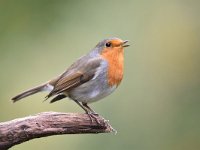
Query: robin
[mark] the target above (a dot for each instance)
(89, 79)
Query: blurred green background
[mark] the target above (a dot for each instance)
(157, 106)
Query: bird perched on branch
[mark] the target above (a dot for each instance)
(90, 78)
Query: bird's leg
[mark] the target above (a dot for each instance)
(89, 108)
(87, 111)
(92, 113)
(84, 108)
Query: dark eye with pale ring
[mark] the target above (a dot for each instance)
(108, 44)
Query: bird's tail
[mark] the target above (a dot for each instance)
(40, 88)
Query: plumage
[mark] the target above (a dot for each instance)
(57, 98)
(29, 92)
(115, 60)
(90, 78)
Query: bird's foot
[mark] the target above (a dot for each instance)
(94, 116)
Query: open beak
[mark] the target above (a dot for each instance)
(124, 43)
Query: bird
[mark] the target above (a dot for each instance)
(89, 79)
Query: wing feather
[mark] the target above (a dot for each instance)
(79, 76)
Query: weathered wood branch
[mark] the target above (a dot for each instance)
(46, 124)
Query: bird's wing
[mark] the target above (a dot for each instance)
(79, 75)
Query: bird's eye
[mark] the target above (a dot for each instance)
(108, 44)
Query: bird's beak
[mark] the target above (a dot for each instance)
(124, 43)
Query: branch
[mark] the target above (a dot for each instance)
(49, 123)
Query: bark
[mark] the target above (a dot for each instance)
(47, 124)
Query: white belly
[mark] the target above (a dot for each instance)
(90, 94)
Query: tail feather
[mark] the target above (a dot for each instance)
(57, 98)
(29, 92)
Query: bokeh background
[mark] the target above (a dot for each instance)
(157, 106)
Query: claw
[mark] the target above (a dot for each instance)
(94, 116)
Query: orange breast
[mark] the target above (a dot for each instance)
(115, 60)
